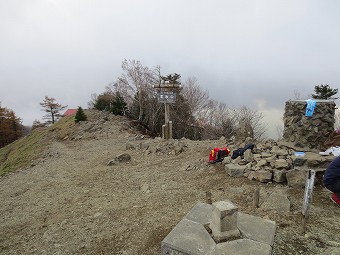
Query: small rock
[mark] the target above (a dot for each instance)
(145, 188)
(124, 157)
(129, 146)
(111, 163)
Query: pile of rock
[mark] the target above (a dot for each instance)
(275, 162)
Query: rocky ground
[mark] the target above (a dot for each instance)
(73, 201)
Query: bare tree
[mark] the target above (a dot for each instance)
(52, 109)
(217, 120)
(279, 131)
(197, 99)
(297, 94)
(249, 123)
(92, 101)
(135, 80)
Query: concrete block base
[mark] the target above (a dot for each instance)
(190, 237)
(219, 237)
(242, 247)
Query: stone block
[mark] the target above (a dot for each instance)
(248, 156)
(256, 228)
(200, 213)
(279, 175)
(251, 175)
(299, 161)
(224, 216)
(281, 164)
(235, 170)
(192, 238)
(296, 178)
(188, 238)
(261, 163)
(263, 176)
(266, 155)
(224, 221)
(242, 247)
(271, 160)
(277, 201)
(278, 151)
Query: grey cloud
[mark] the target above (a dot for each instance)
(241, 51)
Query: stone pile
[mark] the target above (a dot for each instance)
(275, 162)
(157, 146)
(310, 132)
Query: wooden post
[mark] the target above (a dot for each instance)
(256, 197)
(167, 133)
(170, 129)
(208, 197)
(166, 113)
(307, 200)
(167, 95)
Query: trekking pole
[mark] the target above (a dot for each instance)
(307, 199)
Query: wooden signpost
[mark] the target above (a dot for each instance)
(167, 95)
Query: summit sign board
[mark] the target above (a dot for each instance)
(167, 97)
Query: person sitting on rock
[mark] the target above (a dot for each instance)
(331, 179)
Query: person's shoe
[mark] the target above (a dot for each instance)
(326, 152)
(335, 199)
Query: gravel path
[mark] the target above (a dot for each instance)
(72, 202)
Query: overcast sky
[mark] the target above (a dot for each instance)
(258, 53)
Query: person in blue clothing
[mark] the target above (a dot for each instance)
(331, 179)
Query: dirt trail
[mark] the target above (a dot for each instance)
(72, 202)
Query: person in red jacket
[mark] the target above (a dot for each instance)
(331, 179)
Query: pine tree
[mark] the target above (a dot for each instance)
(324, 92)
(103, 102)
(118, 105)
(80, 115)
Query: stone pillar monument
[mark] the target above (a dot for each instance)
(224, 221)
(310, 132)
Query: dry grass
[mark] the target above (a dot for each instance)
(22, 152)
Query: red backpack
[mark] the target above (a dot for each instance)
(218, 154)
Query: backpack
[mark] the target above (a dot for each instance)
(218, 154)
